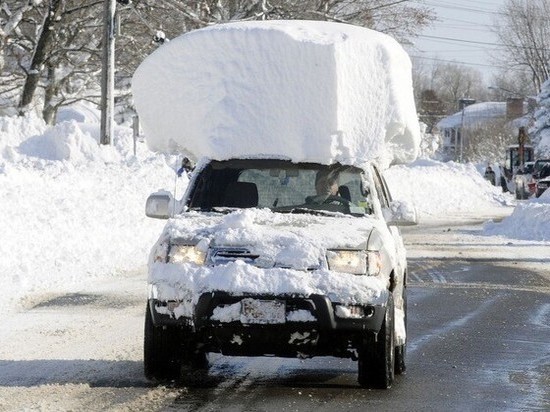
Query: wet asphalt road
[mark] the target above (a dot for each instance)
(478, 328)
(479, 341)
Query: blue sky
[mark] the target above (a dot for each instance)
(462, 34)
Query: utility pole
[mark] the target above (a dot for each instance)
(522, 140)
(108, 73)
(462, 104)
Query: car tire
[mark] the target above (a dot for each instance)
(161, 357)
(376, 364)
(401, 350)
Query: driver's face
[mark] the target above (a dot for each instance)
(325, 187)
(334, 189)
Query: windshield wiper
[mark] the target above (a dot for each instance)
(307, 211)
(217, 209)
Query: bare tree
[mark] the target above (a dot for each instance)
(447, 83)
(43, 46)
(486, 142)
(507, 84)
(11, 14)
(51, 50)
(20, 25)
(524, 30)
(430, 109)
(57, 48)
(401, 18)
(454, 82)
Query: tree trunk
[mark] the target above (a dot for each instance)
(40, 55)
(50, 108)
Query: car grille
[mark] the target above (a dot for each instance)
(222, 255)
(219, 256)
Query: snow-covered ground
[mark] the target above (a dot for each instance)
(72, 212)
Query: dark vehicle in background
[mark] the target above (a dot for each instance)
(542, 176)
(538, 166)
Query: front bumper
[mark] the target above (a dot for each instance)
(325, 331)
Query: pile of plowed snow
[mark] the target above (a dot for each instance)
(447, 191)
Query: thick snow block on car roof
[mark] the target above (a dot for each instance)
(304, 90)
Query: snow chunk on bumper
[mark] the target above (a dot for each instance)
(271, 88)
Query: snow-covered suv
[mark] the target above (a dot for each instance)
(259, 258)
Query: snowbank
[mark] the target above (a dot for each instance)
(540, 129)
(543, 146)
(71, 210)
(81, 112)
(306, 90)
(447, 190)
(529, 221)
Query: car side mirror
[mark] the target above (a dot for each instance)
(400, 213)
(159, 204)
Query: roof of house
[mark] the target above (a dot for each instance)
(474, 114)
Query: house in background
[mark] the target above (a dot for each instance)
(454, 129)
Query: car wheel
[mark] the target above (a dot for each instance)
(161, 358)
(376, 364)
(401, 350)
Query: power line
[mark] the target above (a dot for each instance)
(468, 27)
(463, 63)
(473, 47)
(453, 61)
(437, 51)
(470, 23)
(500, 45)
(460, 40)
(450, 6)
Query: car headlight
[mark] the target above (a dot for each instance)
(348, 261)
(186, 254)
(374, 263)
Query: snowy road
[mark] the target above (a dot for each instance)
(479, 324)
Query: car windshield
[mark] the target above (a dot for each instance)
(281, 186)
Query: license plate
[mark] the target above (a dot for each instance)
(256, 311)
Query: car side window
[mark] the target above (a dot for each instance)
(381, 189)
(386, 189)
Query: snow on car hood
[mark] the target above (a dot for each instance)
(291, 248)
(289, 240)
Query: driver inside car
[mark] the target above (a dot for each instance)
(326, 185)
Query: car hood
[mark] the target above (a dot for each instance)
(290, 249)
(297, 241)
